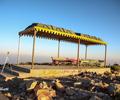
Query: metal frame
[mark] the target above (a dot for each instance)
(58, 55)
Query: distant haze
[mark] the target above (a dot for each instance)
(44, 55)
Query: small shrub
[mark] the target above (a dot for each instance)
(115, 68)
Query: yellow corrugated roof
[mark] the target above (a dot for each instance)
(52, 32)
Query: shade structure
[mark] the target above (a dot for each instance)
(56, 33)
(60, 34)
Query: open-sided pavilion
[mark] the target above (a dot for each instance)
(60, 34)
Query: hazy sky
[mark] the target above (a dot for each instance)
(95, 17)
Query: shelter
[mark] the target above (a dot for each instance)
(60, 34)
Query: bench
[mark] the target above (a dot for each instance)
(65, 61)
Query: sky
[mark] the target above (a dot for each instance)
(99, 18)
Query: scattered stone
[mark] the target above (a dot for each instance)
(8, 95)
(31, 85)
(77, 84)
(43, 94)
(117, 88)
(94, 97)
(85, 86)
(43, 97)
(70, 91)
(3, 97)
(86, 83)
(44, 85)
(57, 85)
(111, 89)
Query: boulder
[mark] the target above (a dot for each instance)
(117, 88)
(111, 89)
(94, 97)
(70, 91)
(77, 84)
(86, 83)
(45, 94)
(103, 96)
(3, 97)
(31, 85)
(43, 97)
(59, 86)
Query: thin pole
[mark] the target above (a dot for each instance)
(18, 55)
(105, 59)
(86, 52)
(5, 62)
(33, 51)
(78, 53)
(58, 48)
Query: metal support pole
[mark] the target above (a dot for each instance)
(86, 52)
(18, 51)
(58, 48)
(33, 51)
(5, 63)
(105, 59)
(78, 53)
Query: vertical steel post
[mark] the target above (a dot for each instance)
(33, 51)
(105, 59)
(78, 53)
(58, 48)
(86, 51)
(18, 51)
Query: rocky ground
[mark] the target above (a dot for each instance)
(85, 86)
